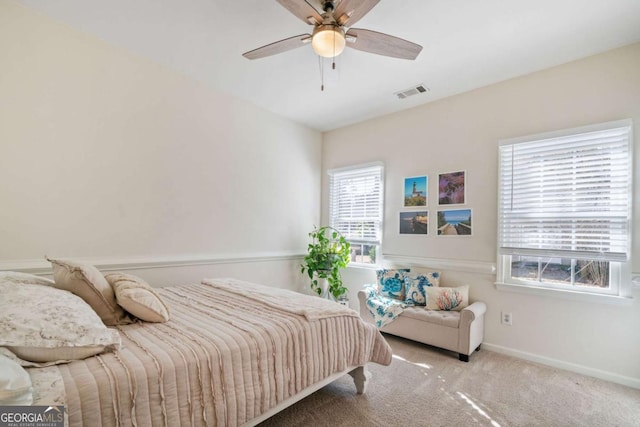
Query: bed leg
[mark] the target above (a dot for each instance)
(360, 376)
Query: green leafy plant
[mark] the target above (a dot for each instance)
(328, 252)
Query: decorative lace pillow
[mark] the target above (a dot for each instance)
(137, 297)
(391, 283)
(447, 298)
(88, 283)
(415, 284)
(45, 324)
(17, 277)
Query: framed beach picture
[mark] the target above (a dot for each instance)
(455, 222)
(451, 188)
(416, 222)
(415, 191)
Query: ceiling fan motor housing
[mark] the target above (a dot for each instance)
(328, 5)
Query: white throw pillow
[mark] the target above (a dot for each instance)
(454, 299)
(45, 324)
(15, 384)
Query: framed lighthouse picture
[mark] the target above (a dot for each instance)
(415, 191)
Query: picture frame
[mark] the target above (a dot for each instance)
(452, 188)
(416, 191)
(413, 223)
(455, 222)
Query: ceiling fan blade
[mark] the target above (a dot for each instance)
(303, 10)
(382, 44)
(278, 47)
(348, 12)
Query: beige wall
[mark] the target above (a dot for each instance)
(105, 155)
(462, 133)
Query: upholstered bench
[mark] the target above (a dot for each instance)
(460, 331)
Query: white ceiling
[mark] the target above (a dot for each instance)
(467, 44)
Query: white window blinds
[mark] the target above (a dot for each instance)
(567, 196)
(355, 203)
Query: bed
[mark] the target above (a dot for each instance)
(233, 353)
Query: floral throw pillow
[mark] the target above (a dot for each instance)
(415, 284)
(44, 324)
(447, 298)
(32, 279)
(391, 283)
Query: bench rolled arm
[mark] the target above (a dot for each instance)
(471, 327)
(471, 312)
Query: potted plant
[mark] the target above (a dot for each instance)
(328, 252)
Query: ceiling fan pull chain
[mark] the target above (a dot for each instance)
(334, 54)
(321, 73)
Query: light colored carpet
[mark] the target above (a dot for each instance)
(425, 386)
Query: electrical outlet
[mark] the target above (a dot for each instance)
(507, 319)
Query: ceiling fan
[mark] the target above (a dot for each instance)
(332, 31)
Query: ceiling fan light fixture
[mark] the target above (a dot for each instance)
(328, 40)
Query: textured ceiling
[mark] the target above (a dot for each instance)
(467, 44)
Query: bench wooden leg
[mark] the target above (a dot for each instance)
(465, 357)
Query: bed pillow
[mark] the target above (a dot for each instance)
(138, 298)
(391, 283)
(448, 299)
(17, 277)
(88, 283)
(15, 383)
(45, 324)
(415, 284)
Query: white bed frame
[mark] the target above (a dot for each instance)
(360, 377)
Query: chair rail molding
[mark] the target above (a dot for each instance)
(43, 267)
(470, 266)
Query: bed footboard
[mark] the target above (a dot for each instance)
(360, 376)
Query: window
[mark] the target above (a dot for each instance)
(564, 210)
(356, 209)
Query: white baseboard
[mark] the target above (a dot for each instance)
(42, 266)
(555, 363)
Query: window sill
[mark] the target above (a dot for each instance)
(563, 294)
(364, 266)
